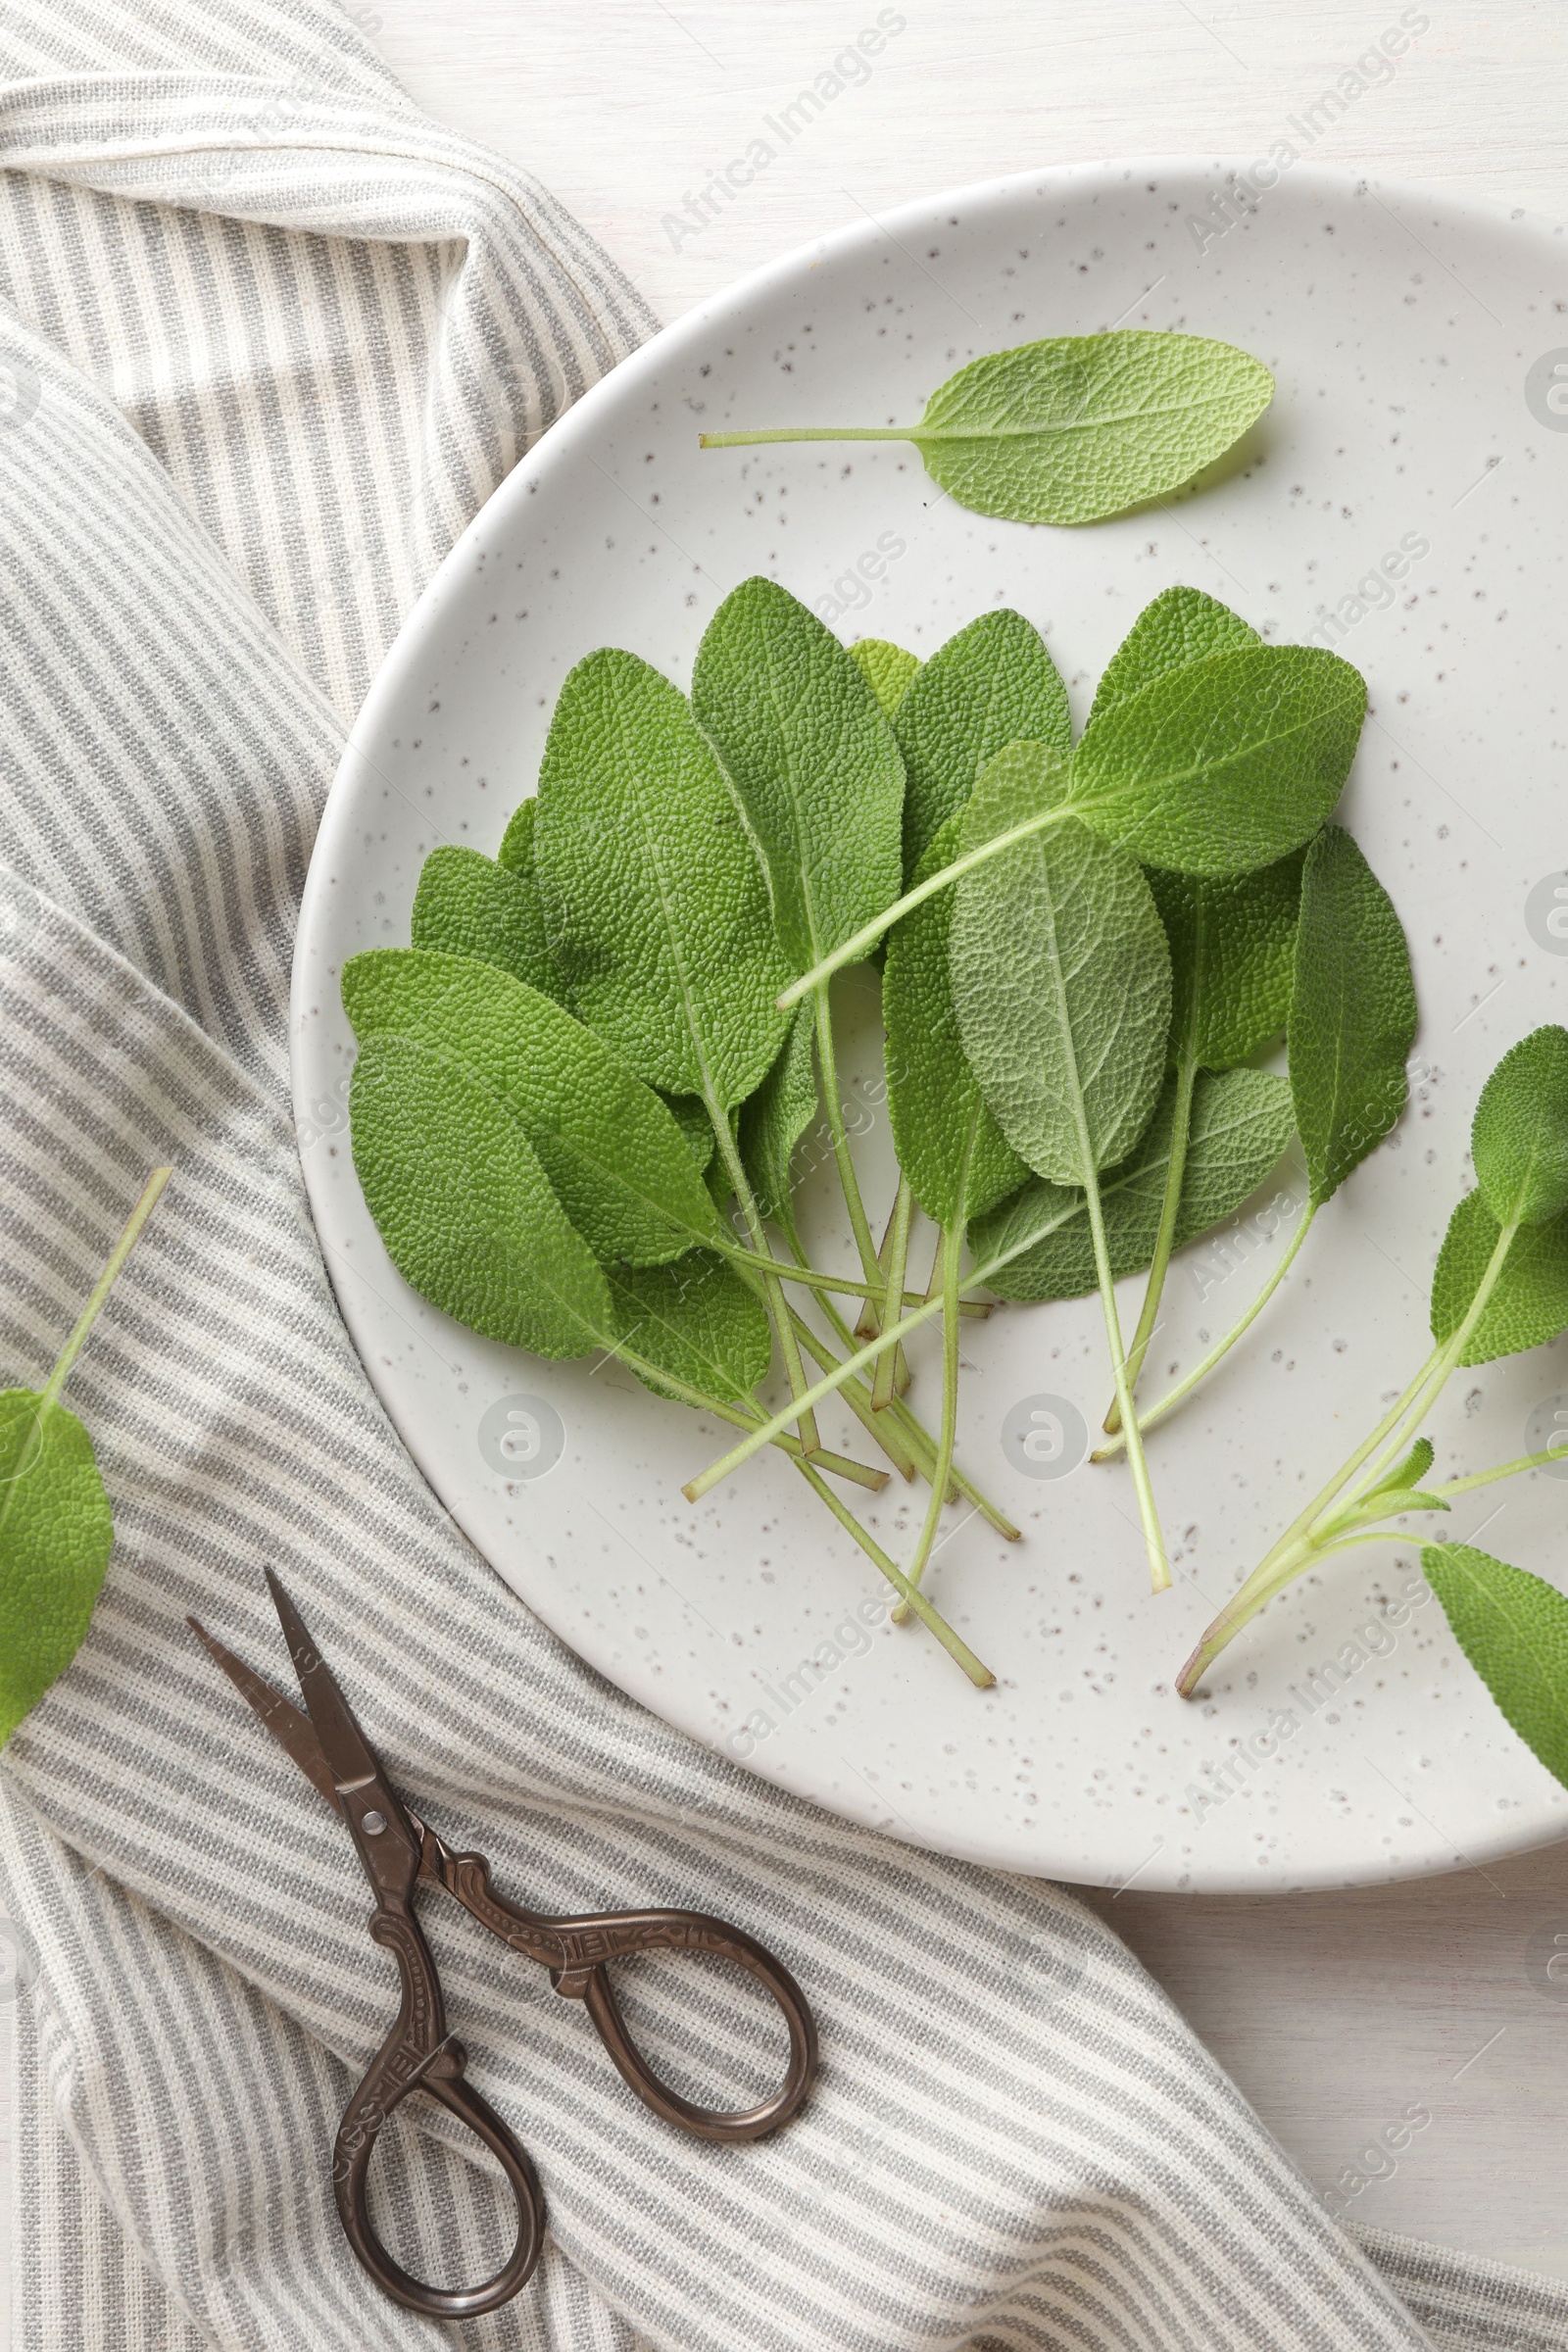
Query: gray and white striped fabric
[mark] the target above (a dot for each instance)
(270, 338)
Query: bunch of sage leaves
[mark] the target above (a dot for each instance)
(581, 1091)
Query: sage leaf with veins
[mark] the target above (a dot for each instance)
(1061, 981)
(1226, 763)
(464, 1205)
(1180, 626)
(655, 900)
(820, 779)
(1526, 1302)
(1513, 1628)
(468, 904)
(811, 760)
(1519, 1135)
(1499, 1289)
(887, 668)
(991, 685)
(1075, 427)
(696, 1322)
(657, 909)
(1353, 1013)
(611, 1150)
(1241, 1126)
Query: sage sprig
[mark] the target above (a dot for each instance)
(1501, 1287)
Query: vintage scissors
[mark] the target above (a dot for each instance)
(398, 1852)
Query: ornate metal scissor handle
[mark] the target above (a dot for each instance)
(576, 1951)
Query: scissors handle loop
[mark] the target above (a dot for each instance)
(419, 2054)
(577, 1952)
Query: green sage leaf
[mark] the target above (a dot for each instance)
(1232, 958)
(655, 900)
(1226, 763)
(991, 685)
(1353, 1012)
(813, 762)
(611, 1150)
(515, 853)
(464, 1206)
(956, 1158)
(55, 1535)
(697, 1320)
(1529, 1304)
(1060, 980)
(1081, 426)
(1181, 625)
(696, 1127)
(1519, 1136)
(1240, 1128)
(1513, 1628)
(888, 671)
(467, 905)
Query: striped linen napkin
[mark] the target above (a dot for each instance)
(268, 339)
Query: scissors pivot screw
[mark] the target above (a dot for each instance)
(372, 1823)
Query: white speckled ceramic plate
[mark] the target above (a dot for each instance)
(1411, 482)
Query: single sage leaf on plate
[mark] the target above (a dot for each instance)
(1240, 1128)
(468, 904)
(956, 1158)
(1353, 1012)
(1513, 1628)
(1062, 984)
(1226, 763)
(655, 898)
(1232, 957)
(774, 1121)
(609, 1149)
(888, 669)
(464, 1206)
(1076, 427)
(991, 685)
(1519, 1136)
(1182, 626)
(1528, 1304)
(55, 1535)
(697, 1320)
(813, 762)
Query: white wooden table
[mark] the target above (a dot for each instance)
(1336, 2013)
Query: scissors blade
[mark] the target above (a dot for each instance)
(289, 1727)
(349, 1758)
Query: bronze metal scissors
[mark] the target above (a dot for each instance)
(399, 1852)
